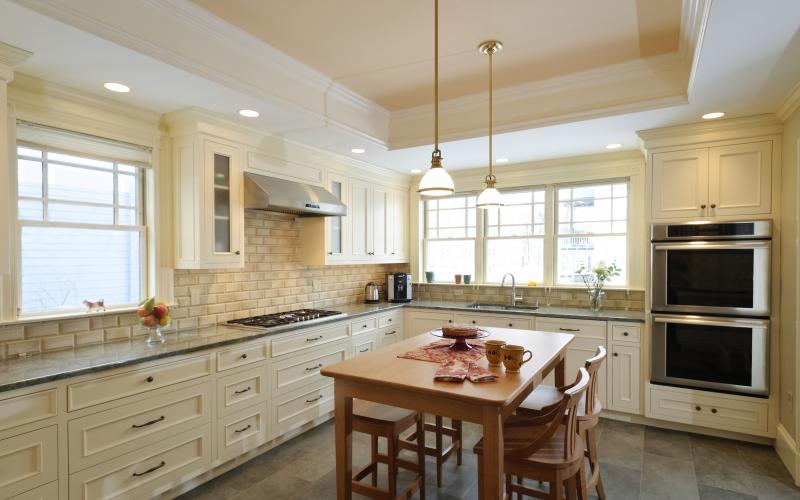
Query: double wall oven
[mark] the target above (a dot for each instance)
(710, 305)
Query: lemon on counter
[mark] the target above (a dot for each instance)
(531, 283)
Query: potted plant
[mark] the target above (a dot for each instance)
(595, 279)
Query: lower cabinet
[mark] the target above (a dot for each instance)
(242, 431)
(364, 344)
(419, 322)
(28, 461)
(297, 408)
(625, 378)
(494, 320)
(148, 471)
(47, 492)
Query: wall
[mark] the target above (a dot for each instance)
(271, 281)
(789, 279)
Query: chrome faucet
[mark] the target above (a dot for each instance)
(514, 297)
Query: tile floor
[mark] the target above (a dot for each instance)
(637, 462)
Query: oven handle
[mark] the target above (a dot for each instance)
(703, 245)
(694, 320)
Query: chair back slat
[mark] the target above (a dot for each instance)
(592, 366)
(573, 396)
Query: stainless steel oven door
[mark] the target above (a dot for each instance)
(721, 354)
(724, 278)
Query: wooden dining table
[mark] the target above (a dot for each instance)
(383, 377)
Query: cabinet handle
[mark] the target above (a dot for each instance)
(152, 469)
(713, 205)
(139, 426)
(330, 253)
(389, 320)
(242, 391)
(315, 399)
(363, 326)
(449, 320)
(366, 349)
(391, 333)
(698, 408)
(703, 206)
(616, 354)
(510, 324)
(313, 339)
(473, 321)
(625, 334)
(237, 252)
(713, 410)
(243, 356)
(313, 368)
(392, 253)
(243, 428)
(149, 379)
(570, 329)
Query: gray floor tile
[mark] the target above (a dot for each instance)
(667, 443)
(621, 444)
(711, 493)
(620, 482)
(717, 463)
(667, 478)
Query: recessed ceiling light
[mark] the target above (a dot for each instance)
(613, 145)
(502, 160)
(357, 151)
(249, 113)
(416, 171)
(116, 87)
(715, 114)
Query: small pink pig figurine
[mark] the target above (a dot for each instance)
(94, 306)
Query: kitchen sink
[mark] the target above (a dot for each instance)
(518, 307)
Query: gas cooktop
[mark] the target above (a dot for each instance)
(284, 318)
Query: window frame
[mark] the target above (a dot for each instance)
(475, 240)
(141, 173)
(550, 237)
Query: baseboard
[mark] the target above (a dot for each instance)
(787, 450)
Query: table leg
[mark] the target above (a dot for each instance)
(490, 482)
(344, 443)
(561, 370)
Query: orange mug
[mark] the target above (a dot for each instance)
(514, 356)
(494, 351)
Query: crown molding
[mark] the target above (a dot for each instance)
(11, 56)
(694, 19)
(790, 104)
(719, 130)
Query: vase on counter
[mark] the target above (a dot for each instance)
(155, 335)
(153, 317)
(596, 299)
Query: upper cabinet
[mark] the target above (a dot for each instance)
(715, 181)
(208, 203)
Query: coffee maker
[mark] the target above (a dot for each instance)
(398, 286)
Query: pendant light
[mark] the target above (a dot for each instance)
(436, 181)
(490, 196)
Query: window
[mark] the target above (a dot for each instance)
(450, 232)
(82, 231)
(592, 230)
(541, 234)
(515, 238)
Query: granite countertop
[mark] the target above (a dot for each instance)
(21, 372)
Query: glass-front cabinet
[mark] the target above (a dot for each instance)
(337, 227)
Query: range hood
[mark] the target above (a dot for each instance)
(278, 195)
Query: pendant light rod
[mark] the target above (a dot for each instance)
(491, 53)
(490, 196)
(436, 75)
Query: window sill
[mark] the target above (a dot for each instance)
(521, 285)
(65, 316)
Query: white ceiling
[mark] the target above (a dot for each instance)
(747, 65)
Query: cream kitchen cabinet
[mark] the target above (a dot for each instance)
(328, 240)
(378, 223)
(494, 320)
(398, 226)
(624, 379)
(420, 321)
(717, 181)
(208, 203)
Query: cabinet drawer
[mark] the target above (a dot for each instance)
(101, 436)
(241, 356)
(692, 407)
(47, 492)
(297, 371)
(241, 389)
(364, 344)
(301, 407)
(28, 408)
(242, 431)
(626, 333)
(309, 338)
(364, 324)
(146, 472)
(390, 319)
(28, 460)
(577, 327)
(390, 335)
(494, 320)
(101, 390)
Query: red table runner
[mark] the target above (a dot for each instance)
(455, 365)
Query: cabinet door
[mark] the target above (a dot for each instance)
(680, 184)
(337, 243)
(494, 320)
(399, 225)
(625, 378)
(740, 179)
(418, 323)
(223, 205)
(359, 220)
(381, 234)
(579, 350)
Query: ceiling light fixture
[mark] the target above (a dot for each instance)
(357, 151)
(613, 145)
(436, 181)
(116, 87)
(713, 115)
(490, 196)
(501, 160)
(249, 113)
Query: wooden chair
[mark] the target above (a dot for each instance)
(379, 420)
(545, 397)
(441, 453)
(546, 448)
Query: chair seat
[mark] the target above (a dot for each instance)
(548, 395)
(380, 413)
(551, 453)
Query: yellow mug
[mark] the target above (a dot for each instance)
(494, 351)
(514, 356)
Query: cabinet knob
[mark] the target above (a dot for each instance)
(703, 206)
(449, 320)
(244, 356)
(149, 379)
(697, 408)
(473, 321)
(330, 253)
(713, 205)
(510, 324)
(237, 252)
(616, 354)
(625, 333)
(713, 410)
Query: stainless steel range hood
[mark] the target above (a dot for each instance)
(278, 195)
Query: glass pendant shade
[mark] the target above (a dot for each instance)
(490, 196)
(436, 181)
